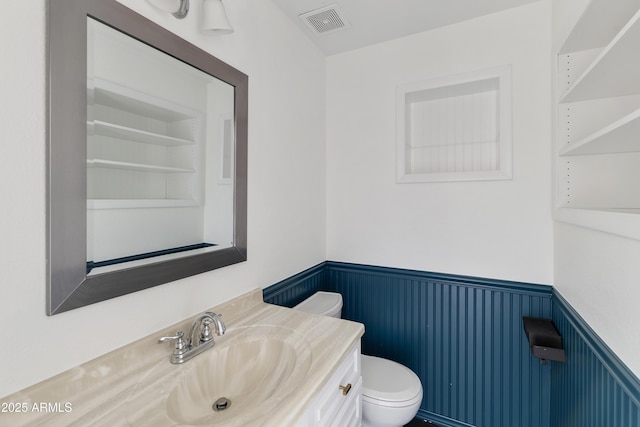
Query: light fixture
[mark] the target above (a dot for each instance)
(214, 17)
(178, 8)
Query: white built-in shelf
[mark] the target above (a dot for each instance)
(138, 203)
(598, 172)
(140, 167)
(118, 97)
(616, 69)
(618, 137)
(98, 127)
(148, 142)
(621, 222)
(599, 24)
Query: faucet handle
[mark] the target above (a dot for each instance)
(181, 346)
(217, 320)
(205, 334)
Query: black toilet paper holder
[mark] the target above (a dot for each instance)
(544, 339)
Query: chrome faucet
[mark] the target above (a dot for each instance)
(186, 350)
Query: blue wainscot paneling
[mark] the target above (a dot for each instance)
(463, 336)
(295, 289)
(594, 388)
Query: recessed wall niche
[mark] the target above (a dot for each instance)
(455, 128)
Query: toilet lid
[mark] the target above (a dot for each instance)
(386, 380)
(323, 303)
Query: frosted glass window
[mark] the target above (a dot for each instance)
(455, 128)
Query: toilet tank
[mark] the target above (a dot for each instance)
(323, 303)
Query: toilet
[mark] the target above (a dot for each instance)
(391, 392)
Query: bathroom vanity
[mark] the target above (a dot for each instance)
(339, 403)
(273, 367)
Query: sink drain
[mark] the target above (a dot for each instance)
(221, 404)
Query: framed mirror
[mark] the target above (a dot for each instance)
(147, 156)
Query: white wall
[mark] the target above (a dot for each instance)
(497, 229)
(598, 273)
(286, 219)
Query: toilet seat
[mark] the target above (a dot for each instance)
(388, 383)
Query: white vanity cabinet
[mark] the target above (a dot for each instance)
(339, 403)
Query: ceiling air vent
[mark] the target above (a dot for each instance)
(325, 20)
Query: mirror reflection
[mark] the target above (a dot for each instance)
(147, 156)
(160, 150)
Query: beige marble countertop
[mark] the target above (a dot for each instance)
(130, 385)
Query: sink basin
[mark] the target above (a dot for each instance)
(248, 372)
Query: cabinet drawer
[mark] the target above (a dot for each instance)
(350, 414)
(332, 398)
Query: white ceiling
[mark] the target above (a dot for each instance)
(375, 21)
